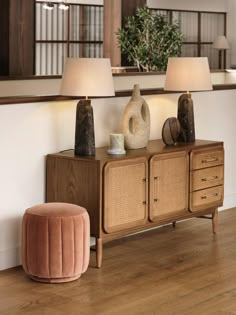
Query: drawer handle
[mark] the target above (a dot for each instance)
(209, 196)
(210, 160)
(209, 178)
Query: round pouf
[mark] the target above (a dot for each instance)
(55, 242)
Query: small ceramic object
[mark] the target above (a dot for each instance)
(170, 131)
(116, 144)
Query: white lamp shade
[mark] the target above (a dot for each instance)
(221, 42)
(188, 74)
(87, 77)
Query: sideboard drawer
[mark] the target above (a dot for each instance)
(208, 158)
(211, 197)
(206, 178)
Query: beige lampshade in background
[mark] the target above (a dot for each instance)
(221, 42)
(188, 74)
(87, 77)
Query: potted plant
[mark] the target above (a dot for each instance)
(148, 40)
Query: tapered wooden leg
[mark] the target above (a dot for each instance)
(174, 224)
(99, 252)
(214, 220)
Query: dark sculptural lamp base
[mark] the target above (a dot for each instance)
(186, 118)
(84, 129)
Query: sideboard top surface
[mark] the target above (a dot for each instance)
(154, 147)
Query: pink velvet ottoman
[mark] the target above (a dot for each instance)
(55, 242)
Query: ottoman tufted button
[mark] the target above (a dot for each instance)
(55, 242)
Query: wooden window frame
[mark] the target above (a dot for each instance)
(68, 41)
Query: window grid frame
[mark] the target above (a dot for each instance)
(199, 43)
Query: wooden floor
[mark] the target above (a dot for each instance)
(186, 270)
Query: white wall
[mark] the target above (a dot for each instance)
(30, 131)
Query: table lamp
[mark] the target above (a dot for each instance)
(221, 44)
(86, 77)
(187, 74)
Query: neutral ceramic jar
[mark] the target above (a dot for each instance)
(135, 123)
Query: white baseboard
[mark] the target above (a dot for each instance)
(11, 257)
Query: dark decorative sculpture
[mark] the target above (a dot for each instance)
(186, 118)
(170, 131)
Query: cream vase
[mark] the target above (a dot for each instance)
(135, 123)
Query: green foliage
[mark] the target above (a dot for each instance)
(149, 40)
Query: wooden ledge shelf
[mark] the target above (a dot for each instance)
(125, 93)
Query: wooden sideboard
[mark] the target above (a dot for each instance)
(142, 189)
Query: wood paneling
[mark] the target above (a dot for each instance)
(17, 37)
(112, 21)
(21, 37)
(114, 13)
(129, 9)
(4, 37)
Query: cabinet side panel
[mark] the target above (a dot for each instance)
(77, 182)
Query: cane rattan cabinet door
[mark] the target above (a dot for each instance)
(125, 194)
(169, 175)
